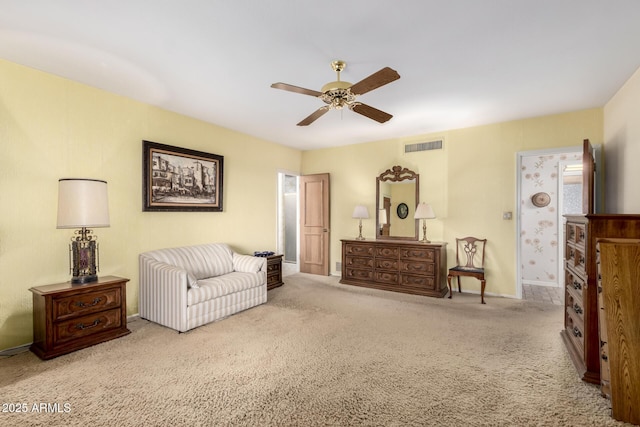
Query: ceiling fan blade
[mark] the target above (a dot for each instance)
(296, 89)
(314, 116)
(372, 113)
(375, 80)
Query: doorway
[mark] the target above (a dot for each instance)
(288, 241)
(540, 218)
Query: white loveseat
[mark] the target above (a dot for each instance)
(186, 287)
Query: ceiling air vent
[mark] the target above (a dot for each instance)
(423, 146)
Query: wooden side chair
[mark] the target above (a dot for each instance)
(469, 262)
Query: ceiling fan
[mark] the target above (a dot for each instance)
(339, 94)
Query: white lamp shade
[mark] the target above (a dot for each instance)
(383, 216)
(360, 212)
(82, 203)
(424, 211)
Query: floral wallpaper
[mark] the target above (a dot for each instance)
(540, 232)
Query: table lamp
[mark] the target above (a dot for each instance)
(83, 204)
(424, 212)
(360, 212)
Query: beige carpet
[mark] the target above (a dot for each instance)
(321, 353)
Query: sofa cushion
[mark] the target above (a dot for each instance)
(202, 261)
(216, 287)
(247, 263)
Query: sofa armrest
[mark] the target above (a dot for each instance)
(248, 263)
(163, 293)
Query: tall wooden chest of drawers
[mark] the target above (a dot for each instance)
(401, 266)
(619, 325)
(580, 333)
(68, 317)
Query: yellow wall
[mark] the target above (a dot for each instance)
(622, 148)
(469, 183)
(52, 128)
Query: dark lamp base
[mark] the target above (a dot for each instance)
(84, 279)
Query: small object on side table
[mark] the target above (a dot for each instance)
(68, 317)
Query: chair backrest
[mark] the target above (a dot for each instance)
(470, 252)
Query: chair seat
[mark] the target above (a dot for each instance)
(467, 269)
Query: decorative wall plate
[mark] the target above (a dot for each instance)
(402, 211)
(540, 199)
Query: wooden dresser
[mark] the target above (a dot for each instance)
(274, 271)
(580, 332)
(619, 326)
(68, 317)
(402, 266)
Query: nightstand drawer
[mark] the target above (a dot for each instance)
(86, 325)
(81, 304)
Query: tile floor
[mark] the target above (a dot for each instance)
(546, 294)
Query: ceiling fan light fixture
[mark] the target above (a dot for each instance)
(338, 94)
(338, 98)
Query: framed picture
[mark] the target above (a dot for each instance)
(402, 210)
(179, 179)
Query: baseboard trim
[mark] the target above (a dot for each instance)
(15, 350)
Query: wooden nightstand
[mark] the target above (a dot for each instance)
(70, 317)
(274, 271)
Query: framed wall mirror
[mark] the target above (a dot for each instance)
(397, 195)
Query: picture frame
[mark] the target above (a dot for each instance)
(176, 179)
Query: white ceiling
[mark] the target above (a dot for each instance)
(462, 62)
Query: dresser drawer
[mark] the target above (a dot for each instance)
(274, 267)
(359, 249)
(356, 274)
(358, 262)
(427, 268)
(387, 263)
(575, 331)
(387, 252)
(576, 233)
(574, 283)
(575, 306)
(387, 277)
(81, 304)
(419, 282)
(86, 325)
(418, 254)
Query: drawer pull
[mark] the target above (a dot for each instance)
(581, 260)
(577, 308)
(82, 326)
(83, 304)
(576, 332)
(577, 285)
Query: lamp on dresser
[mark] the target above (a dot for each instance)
(360, 212)
(83, 204)
(424, 212)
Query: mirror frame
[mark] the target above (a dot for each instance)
(396, 174)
